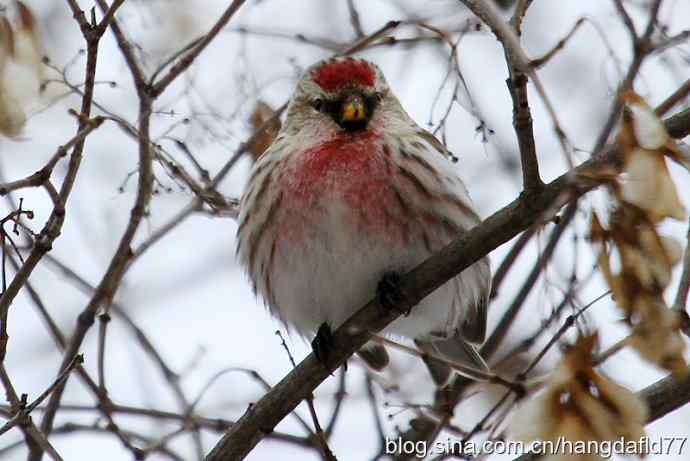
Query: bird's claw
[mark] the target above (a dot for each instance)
(322, 344)
(390, 293)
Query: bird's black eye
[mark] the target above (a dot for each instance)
(318, 105)
(378, 96)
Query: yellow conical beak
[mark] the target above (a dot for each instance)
(353, 109)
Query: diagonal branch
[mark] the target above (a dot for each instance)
(116, 269)
(53, 226)
(123, 44)
(260, 419)
(34, 438)
(189, 58)
(681, 300)
(642, 47)
(117, 266)
(501, 330)
(678, 126)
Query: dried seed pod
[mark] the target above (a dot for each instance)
(262, 113)
(579, 405)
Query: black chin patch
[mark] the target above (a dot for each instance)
(353, 125)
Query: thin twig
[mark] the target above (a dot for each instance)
(340, 395)
(354, 19)
(187, 60)
(518, 59)
(627, 20)
(35, 440)
(677, 96)
(681, 300)
(113, 275)
(462, 369)
(26, 410)
(508, 317)
(509, 260)
(546, 57)
(104, 319)
(522, 116)
(464, 251)
(642, 48)
(319, 435)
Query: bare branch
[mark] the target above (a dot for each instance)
(503, 225)
(109, 14)
(111, 280)
(627, 20)
(508, 318)
(187, 60)
(34, 438)
(517, 59)
(642, 48)
(354, 19)
(541, 61)
(51, 229)
(681, 301)
(509, 260)
(522, 115)
(677, 96)
(125, 47)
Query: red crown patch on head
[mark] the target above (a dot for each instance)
(335, 74)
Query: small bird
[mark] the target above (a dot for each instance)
(351, 194)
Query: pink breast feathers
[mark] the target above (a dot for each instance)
(335, 74)
(349, 164)
(352, 170)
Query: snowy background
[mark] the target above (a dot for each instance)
(188, 293)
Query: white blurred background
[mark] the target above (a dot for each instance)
(188, 294)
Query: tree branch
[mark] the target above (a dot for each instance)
(117, 266)
(522, 115)
(260, 419)
(188, 59)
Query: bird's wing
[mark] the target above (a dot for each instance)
(437, 145)
(455, 212)
(473, 326)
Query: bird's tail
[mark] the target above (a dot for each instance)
(455, 349)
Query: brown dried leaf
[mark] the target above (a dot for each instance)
(6, 42)
(27, 44)
(263, 113)
(26, 17)
(647, 260)
(648, 129)
(578, 404)
(644, 259)
(623, 293)
(656, 256)
(673, 249)
(649, 186)
(656, 336)
(596, 230)
(632, 409)
(12, 117)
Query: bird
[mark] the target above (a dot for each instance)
(350, 195)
